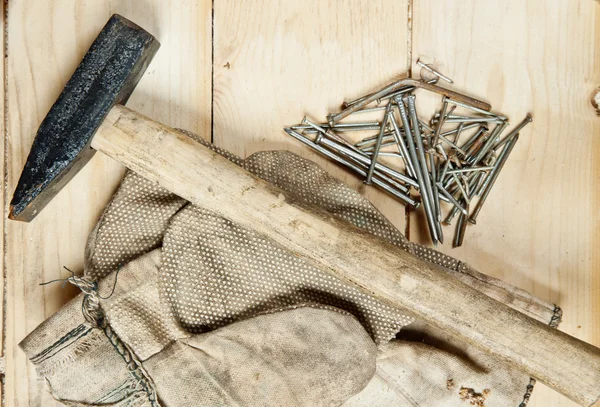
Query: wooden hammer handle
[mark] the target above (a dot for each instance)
(384, 271)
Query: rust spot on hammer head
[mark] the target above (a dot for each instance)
(106, 76)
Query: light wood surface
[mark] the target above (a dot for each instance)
(278, 60)
(275, 61)
(386, 272)
(47, 41)
(539, 228)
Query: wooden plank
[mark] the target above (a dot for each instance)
(47, 39)
(538, 229)
(276, 61)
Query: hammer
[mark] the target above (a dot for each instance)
(89, 116)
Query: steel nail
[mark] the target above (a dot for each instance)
(475, 147)
(442, 152)
(438, 128)
(462, 188)
(472, 184)
(451, 199)
(378, 145)
(473, 120)
(482, 182)
(451, 144)
(366, 161)
(489, 142)
(373, 139)
(369, 109)
(445, 170)
(451, 132)
(473, 108)
(436, 197)
(421, 157)
(308, 123)
(389, 142)
(346, 105)
(455, 210)
(402, 146)
(420, 176)
(337, 126)
(479, 133)
(433, 71)
(403, 83)
(342, 129)
(528, 119)
(364, 124)
(459, 130)
(486, 179)
(493, 176)
(425, 126)
(394, 94)
(440, 232)
(376, 180)
(454, 116)
(392, 87)
(388, 154)
(433, 177)
(460, 229)
(470, 169)
(329, 133)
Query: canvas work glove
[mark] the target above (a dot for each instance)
(208, 313)
(280, 358)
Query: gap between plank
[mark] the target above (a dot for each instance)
(4, 6)
(409, 22)
(212, 74)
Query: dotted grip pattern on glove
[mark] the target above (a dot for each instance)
(215, 272)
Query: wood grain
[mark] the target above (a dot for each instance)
(539, 228)
(47, 39)
(276, 61)
(273, 60)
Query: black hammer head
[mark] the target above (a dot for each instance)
(107, 75)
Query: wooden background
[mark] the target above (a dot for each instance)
(237, 72)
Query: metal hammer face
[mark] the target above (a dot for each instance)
(106, 76)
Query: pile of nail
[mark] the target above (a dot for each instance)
(447, 165)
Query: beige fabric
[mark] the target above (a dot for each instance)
(426, 367)
(430, 369)
(272, 359)
(237, 273)
(203, 274)
(277, 359)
